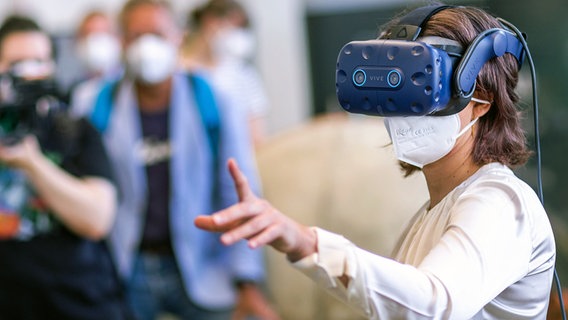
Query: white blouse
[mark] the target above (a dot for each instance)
(486, 251)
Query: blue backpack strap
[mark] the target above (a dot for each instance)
(103, 105)
(204, 98)
(208, 109)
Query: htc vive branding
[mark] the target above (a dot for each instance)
(403, 74)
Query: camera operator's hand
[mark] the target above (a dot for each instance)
(21, 155)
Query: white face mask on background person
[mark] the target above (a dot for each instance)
(235, 43)
(99, 52)
(151, 59)
(422, 140)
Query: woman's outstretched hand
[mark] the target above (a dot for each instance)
(259, 222)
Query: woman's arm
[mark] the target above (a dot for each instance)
(482, 252)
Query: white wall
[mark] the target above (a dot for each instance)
(283, 60)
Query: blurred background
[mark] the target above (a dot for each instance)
(331, 169)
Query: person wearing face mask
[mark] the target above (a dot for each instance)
(481, 247)
(168, 173)
(221, 43)
(98, 50)
(57, 195)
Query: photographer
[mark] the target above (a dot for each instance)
(57, 201)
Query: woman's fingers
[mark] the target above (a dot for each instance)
(262, 225)
(241, 181)
(243, 221)
(268, 236)
(229, 218)
(207, 223)
(247, 230)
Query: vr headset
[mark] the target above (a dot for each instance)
(401, 74)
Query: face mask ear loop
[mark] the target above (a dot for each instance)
(464, 130)
(480, 101)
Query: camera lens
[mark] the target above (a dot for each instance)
(394, 78)
(359, 77)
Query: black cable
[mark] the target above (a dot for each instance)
(537, 143)
(559, 291)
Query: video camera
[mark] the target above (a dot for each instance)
(25, 105)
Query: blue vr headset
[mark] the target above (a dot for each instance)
(401, 75)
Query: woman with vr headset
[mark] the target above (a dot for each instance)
(482, 247)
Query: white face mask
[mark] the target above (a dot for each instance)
(234, 43)
(151, 59)
(99, 52)
(423, 140)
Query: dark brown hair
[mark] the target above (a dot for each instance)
(500, 137)
(18, 23)
(219, 9)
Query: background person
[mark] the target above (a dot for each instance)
(481, 247)
(98, 48)
(97, 44)
(168, 173)
(57, 202)
(220, 42)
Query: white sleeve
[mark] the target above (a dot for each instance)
(379, 288)
(486, 247)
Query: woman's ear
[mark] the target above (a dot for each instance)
(481, 107)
